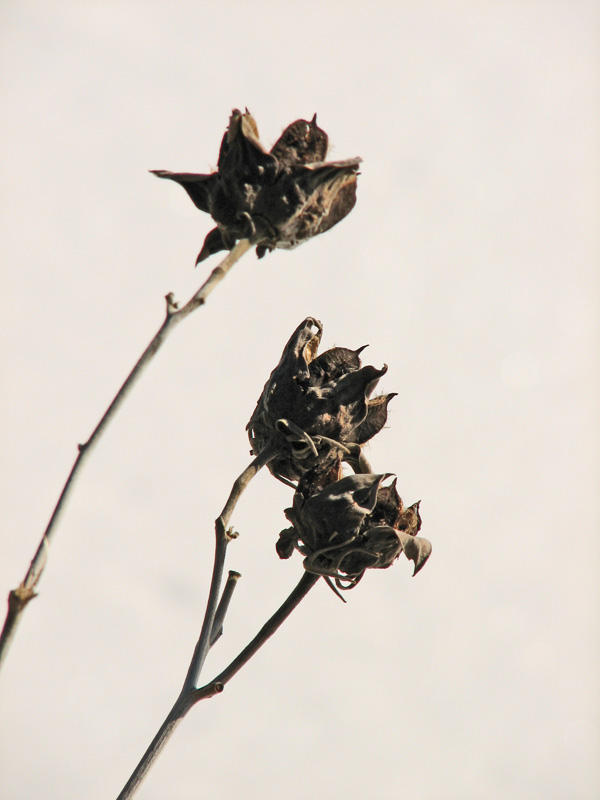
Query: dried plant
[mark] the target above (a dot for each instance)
(287, 202)
(312, 420)
(317, 410)
(276, 198)
(341, 525)
(353, 525)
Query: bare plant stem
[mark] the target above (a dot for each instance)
(190, 696)
(212, 625)
(304, 585)
(19, 598)
(208, 633)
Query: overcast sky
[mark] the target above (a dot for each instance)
(470, 267)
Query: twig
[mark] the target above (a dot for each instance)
(212, 626)
(223, 607)
(19, 598)
(189, 698)
(305, 584)
(224, 535)
(183, 702)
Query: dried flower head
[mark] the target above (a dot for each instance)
(276, 199)
(353, 525)
(316, 411)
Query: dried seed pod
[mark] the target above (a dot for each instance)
(279, 198)
(316, 411)
(353, 525)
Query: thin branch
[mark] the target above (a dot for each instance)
(18, 598)
(203, 644)
(212, 626)
(174, 717)
(242, 481)
(224, 535)
(305, 584)
(189, 698)
(223, 607)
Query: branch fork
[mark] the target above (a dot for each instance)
(212, 628)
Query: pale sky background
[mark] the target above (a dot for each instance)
(470, 266)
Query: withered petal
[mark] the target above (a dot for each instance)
(302, 142)
(389, 506)
(342, 204)
(310, 201)
(384, 543)
(409, 519)
(299, 351)
(375, 420)
(212, 244)
(198, 186)
(356, 387)
(342, 505)
(334, 363)
(242, 154)
(416, 549)
(312, 176)
(244, 125)
(377, 548)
